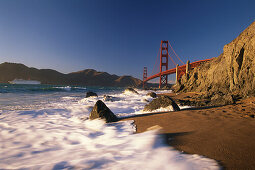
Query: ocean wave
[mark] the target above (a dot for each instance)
(57, 135)
(39, 88)
(54, 141)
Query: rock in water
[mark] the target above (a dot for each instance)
(131, 90)
(162, 101)
(100, 110)
(152, 94)
(108, 98)
(145, 100)
(89, 94)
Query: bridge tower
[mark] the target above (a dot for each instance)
(163, 63)
(144, 75)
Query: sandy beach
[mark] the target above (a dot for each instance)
(224, 133)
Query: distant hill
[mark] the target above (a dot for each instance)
(88, 77)
(91, 77)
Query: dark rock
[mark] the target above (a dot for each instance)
(89, 94)
(108, 98)
(186, 102)
(152, 94)
(209, 99)
(131, 90)
(145, 100)
(216, 97)
(111, 98)
(229, 99)
(100, 110)
(221, 99)
(162, 101)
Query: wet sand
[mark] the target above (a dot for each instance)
(226, 133)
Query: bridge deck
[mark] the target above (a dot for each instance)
(182, 69)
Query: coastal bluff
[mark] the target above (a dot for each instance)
(88, 77)
(230, 73)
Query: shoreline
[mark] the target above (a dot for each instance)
(223, 133)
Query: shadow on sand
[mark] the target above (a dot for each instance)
(142, 115)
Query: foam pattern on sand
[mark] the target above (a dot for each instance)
(58, 141)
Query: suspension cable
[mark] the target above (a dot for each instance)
(175, 63)
(155, 62)
(175, 53)
(172, 59)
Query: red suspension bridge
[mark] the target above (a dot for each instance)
(166, 53)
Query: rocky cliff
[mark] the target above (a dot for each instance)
(231, 73)
(88, 77)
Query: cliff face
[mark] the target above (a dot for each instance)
(231, 73)
(89, 77)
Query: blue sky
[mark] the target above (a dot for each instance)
(116, 36)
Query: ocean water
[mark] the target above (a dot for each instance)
(46, 127)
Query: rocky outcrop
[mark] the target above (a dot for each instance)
(107, 98)
(111, 98)
(91, 94)
(231, 74)
(100, 110)
(161, 102)
(152, 94)
(130, 90)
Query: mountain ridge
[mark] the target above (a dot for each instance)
(86, 77)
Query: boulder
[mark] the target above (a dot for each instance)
(89, 94)
(111, 98)
(162, 101)
(220, 100)
(145, 100)
(100, 110)
(131, 90)
(152, 94)
(108, 98)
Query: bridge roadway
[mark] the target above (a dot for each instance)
(181, 70)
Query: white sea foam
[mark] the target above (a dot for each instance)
(127, 103)
(67, 88)
(54, 137)
(123, 104)
(41, 140)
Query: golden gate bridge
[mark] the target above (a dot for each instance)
(166, 53)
